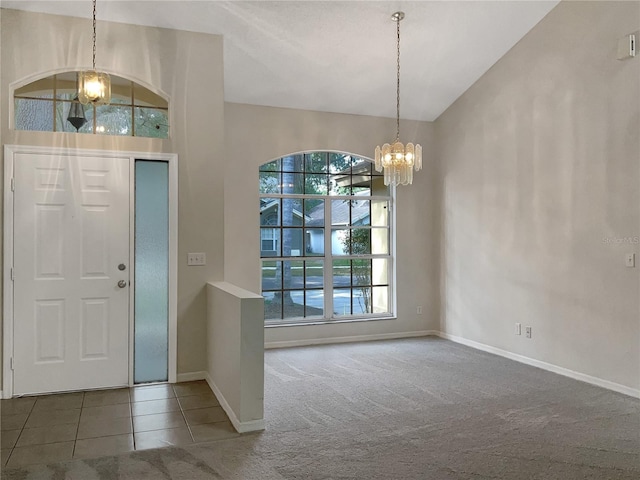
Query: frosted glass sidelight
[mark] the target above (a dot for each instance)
(151, 271)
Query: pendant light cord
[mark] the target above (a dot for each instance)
(397, 80)
(94, 34)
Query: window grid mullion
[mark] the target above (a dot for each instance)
(350, 283)
(55, 106)
(310, 196)
(304, 285)
(328, 262)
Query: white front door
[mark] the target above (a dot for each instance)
(71, 233)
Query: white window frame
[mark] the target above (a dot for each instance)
(328, 258)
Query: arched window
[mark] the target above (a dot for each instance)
(49, 105)
(325, 239)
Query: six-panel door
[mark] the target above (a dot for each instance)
(71, 302)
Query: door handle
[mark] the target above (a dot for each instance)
(122, 283)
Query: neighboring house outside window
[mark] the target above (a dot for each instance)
(269, 244)
(325, 239)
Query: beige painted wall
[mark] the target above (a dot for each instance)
(185, 66)
(255, 135)
(539, 166)
(235, 325)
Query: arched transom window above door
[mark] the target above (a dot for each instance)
(50, 105)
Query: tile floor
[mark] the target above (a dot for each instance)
(53, 428)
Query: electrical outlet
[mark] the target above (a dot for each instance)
(419, 310)
(196, 258)
(518, 329)
(527, 332)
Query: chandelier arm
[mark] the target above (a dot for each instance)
(94, 34)
(397, 80)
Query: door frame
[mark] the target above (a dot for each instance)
(8, 242)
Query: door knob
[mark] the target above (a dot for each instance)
(122, 283)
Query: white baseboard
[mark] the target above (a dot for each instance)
(616, 387)
(191, 376)
(241, 427)
(354, 338)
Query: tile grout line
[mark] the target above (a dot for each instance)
(133, 431)
(31, 411)
(184, 417)
(22, 429)
(75, 439)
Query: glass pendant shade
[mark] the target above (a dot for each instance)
(76, 114)
(94, 87)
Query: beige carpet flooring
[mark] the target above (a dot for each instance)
(407, 409)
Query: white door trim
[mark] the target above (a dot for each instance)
(7, 274)
(8, 239)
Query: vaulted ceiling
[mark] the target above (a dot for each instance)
(337, 56)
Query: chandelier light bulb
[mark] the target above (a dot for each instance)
(94, 87)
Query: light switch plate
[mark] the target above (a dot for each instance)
(196, 258)
(630, 260)
(627, 47)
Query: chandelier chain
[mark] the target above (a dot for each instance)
(94, 34)
(398, 80)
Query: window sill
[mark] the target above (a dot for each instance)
(324, 321)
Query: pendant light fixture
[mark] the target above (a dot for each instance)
(93, 86)
(76, 114)
(397, 160)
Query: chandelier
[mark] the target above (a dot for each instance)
(93, 86)
(397, 160)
